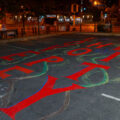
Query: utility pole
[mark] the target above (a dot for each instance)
(74, 17)
(23, 20)
(81, 10)
(74, 10)
(119, 3)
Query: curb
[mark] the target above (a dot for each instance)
(57, 34)
(34, 37)
(101, 34)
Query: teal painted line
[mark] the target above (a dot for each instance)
(105, 78)
(44, 71)
(17, 62)
(18, 47)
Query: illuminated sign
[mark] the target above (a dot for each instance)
(51, 15)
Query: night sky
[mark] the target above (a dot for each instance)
(109, 2)
(64, 3)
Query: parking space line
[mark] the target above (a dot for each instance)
(110, 97)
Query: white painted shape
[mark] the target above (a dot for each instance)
(110, 97)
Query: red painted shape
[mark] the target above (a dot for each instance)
(7, 58)
(111, 57)
(4, 75)
(90, 67)
(67, 44)
(71, 53)
(22, 54)
(47, 90)
(52, 59)
(78, 42)
(50, 48)
(99, 44)
(117, 48)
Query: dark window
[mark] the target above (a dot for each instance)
(50, 20)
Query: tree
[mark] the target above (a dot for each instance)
(39, 8)
(10, 6)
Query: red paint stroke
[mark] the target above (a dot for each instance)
(22, 54)
(47, 90)
(71, 53)
(4, 75)
(52, 59)
(50, 48)
(109, 58)
(67, 44)
(78, 42)
(99, 45)
(90, 67)
(117, 48)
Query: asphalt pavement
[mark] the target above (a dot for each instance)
(65, 77)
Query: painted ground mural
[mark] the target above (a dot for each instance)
(40, 72)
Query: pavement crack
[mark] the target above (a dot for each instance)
(63, 108)
(6, 90)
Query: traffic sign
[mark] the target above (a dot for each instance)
(74, 8)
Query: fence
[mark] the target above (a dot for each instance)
(84, 28)
(31, 30)
(116, 28)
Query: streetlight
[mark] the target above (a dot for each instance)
(96, 3)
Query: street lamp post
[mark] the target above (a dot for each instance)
(74, 10)
(23, 21)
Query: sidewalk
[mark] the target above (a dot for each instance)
(101, 34)
(57, 34)
(34, 37)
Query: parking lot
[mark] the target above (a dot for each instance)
(67, 77)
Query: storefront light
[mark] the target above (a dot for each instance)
(88, 16)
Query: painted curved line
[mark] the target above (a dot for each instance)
(105, 77)
(44, 71)
(30, 95)
(16, 62)
(61, 109)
